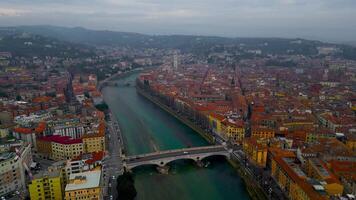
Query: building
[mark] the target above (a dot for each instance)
(351, 141)
(175, 60)
(4, 131)
(25, 134)
(83, 163)
(292, 180)
(85, 185)
(12, 170)
(59, 147)
(262, 132)
(44, 147)
(64, 147)
(47, 185)
(93, 143)
(256, 151)
(233, 130)
(346, 171)
(72, 130)
(215, 121)
(317, 169)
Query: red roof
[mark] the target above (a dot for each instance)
(41, 99)
(23, 130)
(60, 139)
(217, 116)
(96, 156)
(41, 127)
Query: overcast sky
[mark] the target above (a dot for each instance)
(317, 19)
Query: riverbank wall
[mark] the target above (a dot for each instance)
(254, 190)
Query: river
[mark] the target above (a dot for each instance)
(147, 128)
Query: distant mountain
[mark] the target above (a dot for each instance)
(27, 44)
(188, 43)
(85, 36)
(94, 37)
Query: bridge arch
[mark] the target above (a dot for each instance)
(215, 155)
(184, 158)
(127, 168)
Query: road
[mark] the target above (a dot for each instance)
(112, 165)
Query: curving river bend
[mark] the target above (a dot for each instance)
(147, 128)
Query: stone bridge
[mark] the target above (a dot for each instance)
(161, 158)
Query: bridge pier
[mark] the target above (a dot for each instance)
(199, 163)
(163, 169)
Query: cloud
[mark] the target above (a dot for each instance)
(9, 12)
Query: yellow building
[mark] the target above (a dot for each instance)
(65, 148)
(262, 132)
(4, 131)
(291, 178)
(256, 151)
(313, 136)
(93, 143)
(233, 130)
(351, 141)
(47, 186)
(85, 185)
(215, 121)
(317, 169)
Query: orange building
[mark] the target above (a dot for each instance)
(317, 169)
(262, 132)
(256, 151)
(291, 178)
(44, 147)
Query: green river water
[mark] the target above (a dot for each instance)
(147, 128)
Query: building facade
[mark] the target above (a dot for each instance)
(85, 185)
(12, 169)
(47, 186)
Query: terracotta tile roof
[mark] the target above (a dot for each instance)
(96, 156)
(42, 99)
(299, 179)
(41, 127)
(345, 169)
(23, 130)
(60, 139)
(217, 116)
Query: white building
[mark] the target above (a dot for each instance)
(71, 130)
(12, 170)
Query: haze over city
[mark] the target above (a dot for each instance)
(326, 20)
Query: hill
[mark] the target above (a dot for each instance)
(27, 44)
(186, 43)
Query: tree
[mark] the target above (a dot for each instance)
(125, 187)
(18, 98)
(102, 107)
(86, 94)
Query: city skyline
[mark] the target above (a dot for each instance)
(316, 19)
